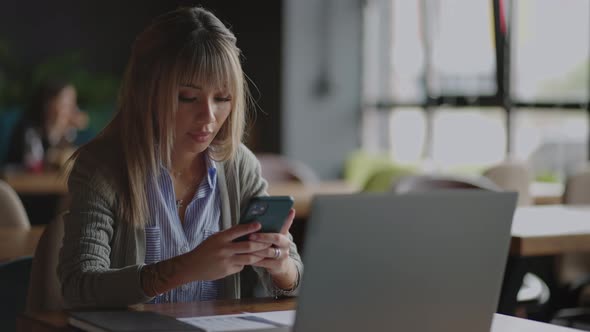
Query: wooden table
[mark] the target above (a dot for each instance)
(303, 194)
(41, 183)
(550, 230)
(54, 183)
(16, 242)
(57, 321)
(544, 193)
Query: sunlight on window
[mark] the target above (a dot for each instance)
(551, 50)
(464, 138)
(468, 137)
(408, 130)
(407, 52)
(463, 55)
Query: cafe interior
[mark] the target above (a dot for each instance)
(350, 97)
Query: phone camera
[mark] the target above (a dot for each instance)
(258, 209)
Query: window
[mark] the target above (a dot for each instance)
(461, 33)
(550, 51)
(408, 135)
(446, 50)
(468, 139)
(407, 53)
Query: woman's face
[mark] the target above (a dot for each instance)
(202, 111)
(61, 108)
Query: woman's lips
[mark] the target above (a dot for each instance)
(200, 136)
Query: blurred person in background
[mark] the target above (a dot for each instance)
(44, 137)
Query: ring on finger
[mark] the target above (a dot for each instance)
(277, 253)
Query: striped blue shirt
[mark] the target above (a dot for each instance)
(167, 236)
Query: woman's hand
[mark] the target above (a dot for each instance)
(215, 258)
(78, 120)
(275, 258)
(219, 256)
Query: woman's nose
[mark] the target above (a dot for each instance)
(206, 112)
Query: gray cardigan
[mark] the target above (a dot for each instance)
(102, 256)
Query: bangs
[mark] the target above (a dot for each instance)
(209, 64)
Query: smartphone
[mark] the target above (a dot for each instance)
(269, 211)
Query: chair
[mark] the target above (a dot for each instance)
(277, 168)
(382, 179)
(45, 289)
(15, 279)
(534, 290)
(512, 176)
(360, 165)
(11, 208)
(577, 318)
(418, 183)
(576, 303)
(576, 267)
(516, 176)
(577, 188)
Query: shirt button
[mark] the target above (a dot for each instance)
(184, 249)
(185, 287)
(167, 298)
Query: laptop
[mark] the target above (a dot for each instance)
(424, 262)
(416, 262)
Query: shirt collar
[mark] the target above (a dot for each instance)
(211, 170)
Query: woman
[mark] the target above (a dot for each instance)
(48, 128)
(157, 195)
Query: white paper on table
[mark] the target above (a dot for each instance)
(244, 321)
(284, 317)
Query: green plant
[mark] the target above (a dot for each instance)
(12, 81)
(94, 89)
(547, 176)
(17, 81)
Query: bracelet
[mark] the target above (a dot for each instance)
(278, 291)
(150, 272)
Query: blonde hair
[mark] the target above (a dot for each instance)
(188, 45)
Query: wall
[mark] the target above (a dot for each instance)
(321, 82)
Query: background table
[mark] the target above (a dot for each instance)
(55, 183)
(41, 183)
(16, 242)
(544, 193)
(303, 194)
(550, 230)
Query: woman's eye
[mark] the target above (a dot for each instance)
(223, 99)
(184, 99)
